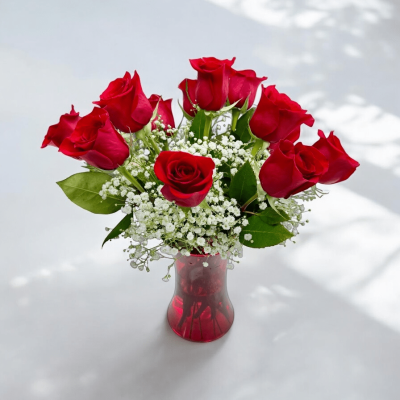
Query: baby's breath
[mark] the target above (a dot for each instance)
(210, 228)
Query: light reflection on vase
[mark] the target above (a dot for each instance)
(200, 309)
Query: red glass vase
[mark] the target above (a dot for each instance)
(200, 309)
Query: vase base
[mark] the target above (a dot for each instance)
(202, 329)
(200, 309)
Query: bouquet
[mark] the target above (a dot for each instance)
(230, 174)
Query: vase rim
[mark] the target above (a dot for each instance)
(201, 255)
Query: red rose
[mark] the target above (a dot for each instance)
(126, 103)
(292, 137)
(189, 101)
(212, 82)
(243, 85)
(291, 169)
(164, 110)
(341, 165)
(277, 116)
(187, 178)
(96, 141)
(58, 132)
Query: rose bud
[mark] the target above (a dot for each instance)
(188, 102)
(96, 141)
(126, 103)
(291, 169)
(164, 110)
(277, 116)
(187, 178)
(58, 132)
(212, 82)
(341, 165)
(243, 85)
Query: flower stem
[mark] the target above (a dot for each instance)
(235, 116)
(245, 205)
(124, 172)
(145, 136)
(207, 126)
(154, 145)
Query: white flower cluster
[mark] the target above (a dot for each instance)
(210, 228)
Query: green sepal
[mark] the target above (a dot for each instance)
(244, 184)
(263, 235)
(229, 107)
(245, 106)
(187, 116)
(185, 209)
(91, 168)
(242, 131)
(204, 205)
(258, 146)
(154, 115)
(122, 226)
(271, 202)
(83, 190)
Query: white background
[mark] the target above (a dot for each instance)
(316, 320)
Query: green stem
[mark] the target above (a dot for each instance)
(245, 205)
(124, 172)
(154, 144)
(147, 139)
(235, 116)
(257, 146)
(207, 126)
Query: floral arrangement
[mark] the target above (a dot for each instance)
(231, 174)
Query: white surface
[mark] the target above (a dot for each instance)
(316, 320)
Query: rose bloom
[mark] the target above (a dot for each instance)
(212, 82)
(187, 178)
(291, 169)
(243, 85)
(278, 117)
(58, 132)
(96, 141)
(127, 105)
(341, 165)
(189, 102)
(164, 110)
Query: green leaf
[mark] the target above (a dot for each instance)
(198, 125)
(122, 226)
(244, 184)
(83, 190)
(271, 217)
(242, 131)
(263, 235)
